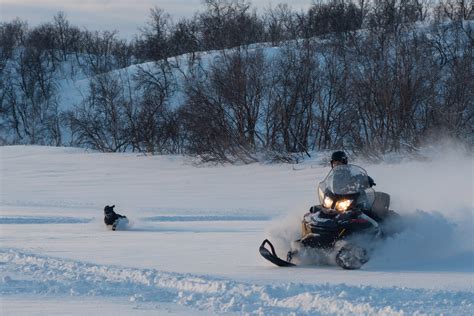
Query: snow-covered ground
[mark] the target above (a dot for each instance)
(192, 246)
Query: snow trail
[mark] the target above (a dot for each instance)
(28, 273)
(42, 220)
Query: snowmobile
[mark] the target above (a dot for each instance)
(342, 229)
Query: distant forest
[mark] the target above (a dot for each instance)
(370, 77)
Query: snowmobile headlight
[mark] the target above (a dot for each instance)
(327, 203)
(343, 205)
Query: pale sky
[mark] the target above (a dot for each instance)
(121, 15)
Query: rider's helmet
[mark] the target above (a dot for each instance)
(338, 157)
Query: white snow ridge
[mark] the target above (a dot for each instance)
(32, 274)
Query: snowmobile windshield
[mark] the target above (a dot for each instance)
(345, 180)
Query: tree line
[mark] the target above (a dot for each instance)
(366, 77)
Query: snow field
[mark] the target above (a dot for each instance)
(192, 244)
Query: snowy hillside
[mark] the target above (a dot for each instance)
(192, 247)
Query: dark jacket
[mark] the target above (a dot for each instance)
(110, 216)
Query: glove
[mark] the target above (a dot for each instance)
(371, 181)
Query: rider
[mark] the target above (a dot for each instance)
(340, 158)
(380, 214)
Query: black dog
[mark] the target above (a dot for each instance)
(111, 217)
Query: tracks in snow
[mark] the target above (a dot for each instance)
(27, 273)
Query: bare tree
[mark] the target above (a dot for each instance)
(453, 109)
(280, 23)
(223, 106)
(29, 101)
(67, 37)
(184, 37)
(103, 52)
(335, 16)
(332, 113)
(229, 23)
(12, 35)
(100, 121)
(155, 126)
(239, 78)
(293, 96)
(153, 41)
(455, 10)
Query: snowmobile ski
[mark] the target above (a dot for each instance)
(272, 256)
